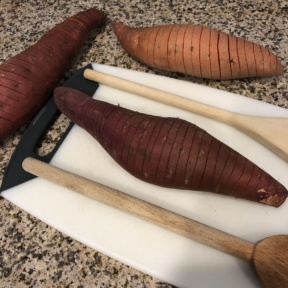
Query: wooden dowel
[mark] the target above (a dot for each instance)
(179, 224)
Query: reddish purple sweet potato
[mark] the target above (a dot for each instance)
(29, 78)
(169, 152)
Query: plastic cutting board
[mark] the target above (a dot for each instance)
(142, 245)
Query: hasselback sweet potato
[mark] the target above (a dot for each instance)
(169, 152)
(198, 51)
(29, 78)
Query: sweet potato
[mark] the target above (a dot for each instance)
(29, 78)
(197, 51)
(169, 152)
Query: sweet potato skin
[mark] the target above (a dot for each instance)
(197, 51)
(169, 152)
(29, 78)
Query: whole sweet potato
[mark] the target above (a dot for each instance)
(169, 152)
(198, 51)
(28, 79)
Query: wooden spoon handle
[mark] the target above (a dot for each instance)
(269, 131)
(158, 95)
(184, 226)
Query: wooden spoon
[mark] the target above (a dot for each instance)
(269, 257)
(272, 132)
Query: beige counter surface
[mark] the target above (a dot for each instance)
(33, 254)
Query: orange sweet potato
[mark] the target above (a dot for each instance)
(169, 152)
(29, 78)
(198, 51)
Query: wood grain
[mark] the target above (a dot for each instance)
(167, 219)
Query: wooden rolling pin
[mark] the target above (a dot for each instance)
(272, 132)
(269, 256)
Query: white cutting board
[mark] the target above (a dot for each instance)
(142, 245)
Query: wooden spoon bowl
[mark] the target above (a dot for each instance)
(271, 261)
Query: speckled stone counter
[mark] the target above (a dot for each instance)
(32, 254)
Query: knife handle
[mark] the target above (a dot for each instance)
(174, 222)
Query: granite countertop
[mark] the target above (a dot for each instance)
(32, 253)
